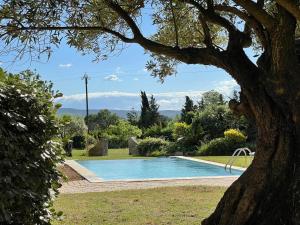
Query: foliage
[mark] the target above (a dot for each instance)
(212, 98)
(235, 135)
(72, 126)
(187, 112)
(102, 120)
(78, 141)
(158, 131)
(214, 119)
(181, 146)
(133, 117)
(29, 153)
(219, 146)
(149, 112)
(181, 130)
(119, 134)
(149, 145)
(158, 153)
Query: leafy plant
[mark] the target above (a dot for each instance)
(29, 152)
(148, 145)
(235, 135)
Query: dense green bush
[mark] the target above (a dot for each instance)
(78, 141)
(220, 146)
(158, 131)
(119, 134)
(180, 146)
(148, 145)
(28, 153)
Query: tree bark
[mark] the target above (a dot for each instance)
(268, 192)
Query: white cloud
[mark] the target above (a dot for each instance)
(126, 100)
(112, 77)
(68, 65)
(226, 87)
(173, 100)
(135, 79)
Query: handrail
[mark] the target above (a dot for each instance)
(237, 152)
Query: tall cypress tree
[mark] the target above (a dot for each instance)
(149, 111)
(188, 109)
(154, 114)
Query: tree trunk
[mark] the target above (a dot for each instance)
(268, 192)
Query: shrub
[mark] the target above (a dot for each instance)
(149, 145)
(181, 130)
(235, 135)
(158, 132)
(159, 153)
(78, 141)
(119, 134)
(220, 146)
(180, 146)
(28, 153)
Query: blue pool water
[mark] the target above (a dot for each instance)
(153, 168)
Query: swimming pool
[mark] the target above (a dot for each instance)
(157, 168)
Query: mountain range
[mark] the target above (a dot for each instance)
(120, 113)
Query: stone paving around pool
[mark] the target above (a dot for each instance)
(84, 186)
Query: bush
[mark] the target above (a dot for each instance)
(181, 130)
(78, 141)
(180, 146)
(235, 135)
(28, 153)
(158, 132)
(119, 134)
(220, 146)
(159, 153)
(148, 145)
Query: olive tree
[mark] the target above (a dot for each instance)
(201, 32)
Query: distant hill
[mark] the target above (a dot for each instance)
(120, 113)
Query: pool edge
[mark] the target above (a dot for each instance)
(93, 178)
(84, 172)
(209, 162)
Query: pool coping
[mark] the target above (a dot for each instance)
(209, 162)
(82, 171)
(93, 178)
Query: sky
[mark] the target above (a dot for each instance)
(116, 82)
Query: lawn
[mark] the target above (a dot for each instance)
(239, 161)
(173, 205)
(123, 153)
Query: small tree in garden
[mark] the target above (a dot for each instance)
(29, 153)
(133, 117)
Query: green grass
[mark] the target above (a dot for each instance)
(174, 206)
(239, 161)
(79, 154)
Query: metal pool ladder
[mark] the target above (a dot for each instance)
(237, 152)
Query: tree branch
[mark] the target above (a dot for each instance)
(251, 21)
(291, 7)
(92, 28)
(175, 24)
(258, 13)
(206, 31)
(125, 16)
